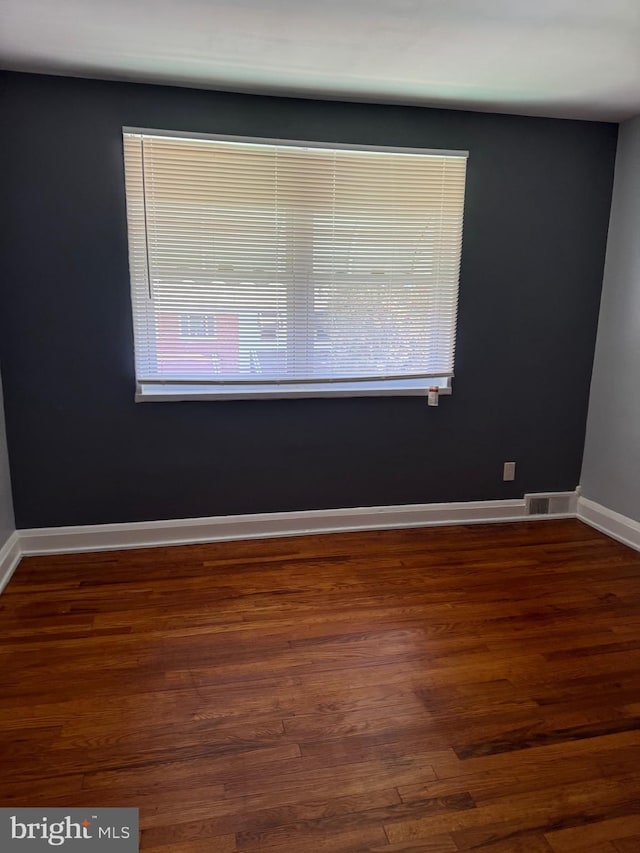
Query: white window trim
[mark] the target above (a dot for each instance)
(167, 393)
(298, 143)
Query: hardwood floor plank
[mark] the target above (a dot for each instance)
(516, 778)
(308, 830)
(537, 812)
(529, 844)
(630, 844)
(435, 844)
(143, 773)
(220, 844)
(365, 775)
(569, 840)
(261, 822)
(527, 739)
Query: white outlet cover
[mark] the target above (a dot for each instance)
(509, 471)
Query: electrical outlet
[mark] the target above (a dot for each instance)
(509, 471)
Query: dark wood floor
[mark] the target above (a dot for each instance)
(445, 689)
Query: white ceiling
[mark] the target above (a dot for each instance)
(571, 58)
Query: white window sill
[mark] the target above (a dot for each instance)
(156, 392)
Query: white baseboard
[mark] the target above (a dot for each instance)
(614, 524)
(144, 534)
(10, 554)
(149, 534)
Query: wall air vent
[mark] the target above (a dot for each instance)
(538, 506)
(549, 504)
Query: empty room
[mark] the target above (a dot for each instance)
(320, 426)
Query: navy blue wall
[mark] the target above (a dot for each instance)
(537, 209)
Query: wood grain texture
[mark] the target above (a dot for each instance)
(425, 691)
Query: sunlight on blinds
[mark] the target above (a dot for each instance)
(269, 263)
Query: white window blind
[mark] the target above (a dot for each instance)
(290, 263)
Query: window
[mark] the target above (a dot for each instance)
(198, 326)
(277, 269)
